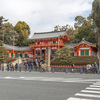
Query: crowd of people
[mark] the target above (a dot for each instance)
(93, 68)
(89, 68)
(12, 67)
(29, 65)
(34, 65)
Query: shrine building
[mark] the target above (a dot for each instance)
(54, 40)
(83, 48)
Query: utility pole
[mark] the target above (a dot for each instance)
(99, 49)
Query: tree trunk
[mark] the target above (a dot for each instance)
(99, 47)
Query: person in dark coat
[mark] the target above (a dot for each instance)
(95, 67)
(16, 66)
(8, 67)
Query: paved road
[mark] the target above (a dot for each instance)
(49, 86)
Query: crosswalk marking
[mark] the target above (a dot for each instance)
(54, 79)
(21, 77)
(87, 95)
(87, 91)
(78, 99)
(93, 91)
(93, 88)
(96, 83)
(7, 77)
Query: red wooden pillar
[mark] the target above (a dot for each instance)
(34, 53)
(9, 54)
(90, 51)
(28, 53)
(23, 55)
(78, 52)
(51, 51)
(41, 52)
(14, 54)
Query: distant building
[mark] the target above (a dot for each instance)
(54, 40)
(83, 48)
(24, 52)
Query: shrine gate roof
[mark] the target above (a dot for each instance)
(47, 35)
(17, 48)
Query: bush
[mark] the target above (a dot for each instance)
(62, 61)
(75, 60)
(85, 60)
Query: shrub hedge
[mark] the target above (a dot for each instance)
(76, 60)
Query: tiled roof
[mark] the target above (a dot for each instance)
(45, 35)
(71, 45)
(17, 48)
(83, 40)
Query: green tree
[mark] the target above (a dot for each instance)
(28, 42)
(96, 19)
(69, 29)
(64, 54)
(86, 29)
(57, 28)
(2, 26)
(3, 51)
(72, 33)
(79, 21)
(9, 33)
(24, 31)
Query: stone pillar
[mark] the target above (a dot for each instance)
(47, 59)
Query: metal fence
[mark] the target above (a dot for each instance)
(21, 68)
(81, 70)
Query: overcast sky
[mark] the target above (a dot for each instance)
(43, 15)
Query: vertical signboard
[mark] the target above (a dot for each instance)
(47, 58)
